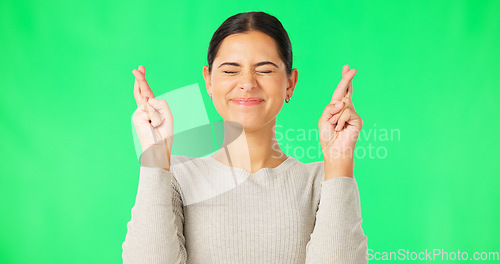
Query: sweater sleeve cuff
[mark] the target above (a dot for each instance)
(338, 235)
(339, 201)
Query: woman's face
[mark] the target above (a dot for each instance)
(248, 65)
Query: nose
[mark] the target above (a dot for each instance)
(247, 81)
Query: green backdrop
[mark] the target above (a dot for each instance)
(426, 88)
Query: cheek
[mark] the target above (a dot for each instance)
(275, 87)
(275, 92)
(223, 86)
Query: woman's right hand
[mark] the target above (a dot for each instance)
(153, 122)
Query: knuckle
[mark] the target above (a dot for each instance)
(349, 104)
(162, 102)
(333, 105)
(346, 114)
(346, 100)
(138, 113)
(135, 118)
(156, 122)
(328, 108)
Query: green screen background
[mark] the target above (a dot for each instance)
(427, 70)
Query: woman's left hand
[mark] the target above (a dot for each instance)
(340, 125)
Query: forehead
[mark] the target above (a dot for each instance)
(251, 46)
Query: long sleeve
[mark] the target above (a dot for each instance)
(337, 236)
(155, 231)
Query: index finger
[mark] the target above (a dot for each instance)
(144, 88)
(139, 100)
(341, 90)
(345, 69)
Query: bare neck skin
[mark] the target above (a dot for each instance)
(250, 150)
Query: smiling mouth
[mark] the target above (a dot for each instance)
(247, 102)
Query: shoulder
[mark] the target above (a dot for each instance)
(181, 162)
(184, 166)
(313, 170)
(187, 168)
(314, 167)
(308, 176)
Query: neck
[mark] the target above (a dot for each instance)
(250, 150)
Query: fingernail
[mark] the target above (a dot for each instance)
(338, 104)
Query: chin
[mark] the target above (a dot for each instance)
(248, 124)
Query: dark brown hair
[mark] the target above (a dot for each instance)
(248, 21)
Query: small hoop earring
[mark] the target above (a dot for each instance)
(211, 97)
(287, 100)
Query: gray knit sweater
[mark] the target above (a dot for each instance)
(204, 211)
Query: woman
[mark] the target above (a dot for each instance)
(248, 202)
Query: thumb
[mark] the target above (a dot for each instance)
(154, 116)
(161, 106)
(330, 111)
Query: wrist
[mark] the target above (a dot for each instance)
(156, 155)
(339, 167)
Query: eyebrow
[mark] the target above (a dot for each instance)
(256, 64)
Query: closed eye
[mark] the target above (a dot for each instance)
(231, 72)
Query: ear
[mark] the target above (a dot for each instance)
(292, 81)
(206, 76)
